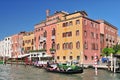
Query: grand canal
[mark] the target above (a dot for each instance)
(21, 72)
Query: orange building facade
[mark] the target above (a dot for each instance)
(28, 42)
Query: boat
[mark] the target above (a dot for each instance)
(64, 72)
(68, 70)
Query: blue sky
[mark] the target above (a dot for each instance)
(22, 15)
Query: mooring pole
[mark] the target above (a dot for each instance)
(95, 59)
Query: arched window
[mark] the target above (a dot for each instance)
(66, 45)
(78, 57)
(77, 44)
(53, 45)
(70, 45)
(58, 46)
(53, 32)
(44, 46)
(63, 45)
(45, 34)
(85, 57)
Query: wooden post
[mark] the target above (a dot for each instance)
(114, 65)
(111, 62)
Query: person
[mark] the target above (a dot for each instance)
(108, 65)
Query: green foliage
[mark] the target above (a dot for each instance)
(52, 49)
(41, 50)
(108, 51)
(116, 48)
(118, 52)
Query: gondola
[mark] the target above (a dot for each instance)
(64, 71)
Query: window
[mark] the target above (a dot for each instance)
(63, 45)
(58, 46)
(70, 57)
(45, 34)
(85, 57)
(64, 34)
(39, 38)
(78, 45)
(85, 22)
(77, 32)
(85, 33)
(67, 34)
(53, 32)
(64, 57)
(70, 45)
(66, 24)
(96, 46)
(93, 46)
(96, 36)
(92, 58)
(70, 23)
(92, 25)
(63, 24)
(85, 45)
(78, 57)
(58, 57)
(53, 45)
(77, 21)
(92, 35)
(44, 46)
(66, 45)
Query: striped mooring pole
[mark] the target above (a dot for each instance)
(95, 64)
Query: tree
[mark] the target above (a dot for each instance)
(108, 51)
(116, 48)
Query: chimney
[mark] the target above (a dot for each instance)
(47, 12)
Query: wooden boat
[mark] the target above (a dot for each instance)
(64, 71)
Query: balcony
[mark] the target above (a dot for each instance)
(52, 50)
(53, 37)
(42, 39)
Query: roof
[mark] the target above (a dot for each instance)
(104, 21)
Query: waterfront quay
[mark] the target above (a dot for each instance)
(21, 72)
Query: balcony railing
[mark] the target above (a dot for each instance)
(52, 50)
(53, 37)
(42, 39)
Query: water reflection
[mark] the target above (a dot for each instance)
(21, 72)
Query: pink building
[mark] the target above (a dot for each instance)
(45, 32)
(17, 43)
(91, 40)
(108, 34)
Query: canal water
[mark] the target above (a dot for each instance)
(21, 72)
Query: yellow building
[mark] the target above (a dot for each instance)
(69, 46)
(28, 41)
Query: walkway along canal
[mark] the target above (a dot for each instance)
(20, 72)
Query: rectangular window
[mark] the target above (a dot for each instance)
(70, 23)
(85, 33)
(93, 46)
(71, 57)
(78, 57)
(64, 57)
(92, 35)
(77, 21)
(58, 57)
(85, 45)
(77, 33)
(85, 22)
(63, 24)
(92, 25)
